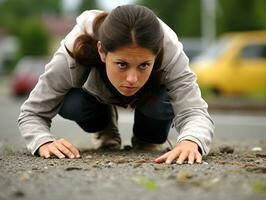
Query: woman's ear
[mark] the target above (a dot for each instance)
(101, 51)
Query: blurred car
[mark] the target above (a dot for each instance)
(26, 75)
(235, 65)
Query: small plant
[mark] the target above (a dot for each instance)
(9, 151)
(145, 182)
(259, 187)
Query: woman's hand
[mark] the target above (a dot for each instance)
(185, 150)
(60, 148)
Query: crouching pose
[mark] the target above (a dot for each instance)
(127, 57)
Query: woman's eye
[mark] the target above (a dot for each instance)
(121, 65)
(144, 66)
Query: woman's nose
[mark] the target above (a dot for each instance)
(132, 76)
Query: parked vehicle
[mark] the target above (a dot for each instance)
(235, 65)
(26, 74)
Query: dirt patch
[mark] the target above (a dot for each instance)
(127, 174)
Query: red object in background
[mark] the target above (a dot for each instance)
(26, 75)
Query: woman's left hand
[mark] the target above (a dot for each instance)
(185, 150)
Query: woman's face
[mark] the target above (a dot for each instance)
(128, 68)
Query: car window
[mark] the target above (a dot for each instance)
(215, 50)
(253, 51)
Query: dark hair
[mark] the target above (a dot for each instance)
(123, 26)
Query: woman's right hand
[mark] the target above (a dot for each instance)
(60, 148)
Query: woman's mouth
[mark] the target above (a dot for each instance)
(128, 89)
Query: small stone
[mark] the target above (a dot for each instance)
(226, 149)
(24, 177)
(88, 157)
(256, 149)
(211, 183)
(140, 161)
(259, 161)
(19, 193)
(160, 167)
(73, 168)
(123, 160)
(260, 155)
(137, 165)
(183, 176)
(205, 163)
(110, 164)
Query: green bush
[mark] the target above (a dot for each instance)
(33, 38)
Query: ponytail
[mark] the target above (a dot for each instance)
(85, 50)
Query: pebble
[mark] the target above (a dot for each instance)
(260, 155)
(73, 168)
(211, 183)
(19, 193)
(24, 177)
(88, 157)
(184, 176)
(110, 164)
(256, 149)
(259, 161)
(160, 167)
(137, 165)
(226, 149)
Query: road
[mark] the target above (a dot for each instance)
(230, 126)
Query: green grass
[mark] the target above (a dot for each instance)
(9, 151)
(145, 182)
(259, 187)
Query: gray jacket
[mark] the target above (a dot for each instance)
(62, 73)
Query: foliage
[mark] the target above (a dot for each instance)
(22, 19)
(34, 38)
(184, 17)
(13, 12)
(241, 15)
(87, 5)
(181, 16)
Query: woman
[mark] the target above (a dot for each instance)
(127, 57)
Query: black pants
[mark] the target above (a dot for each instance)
(151, 122)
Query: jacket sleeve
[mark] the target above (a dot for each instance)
(192, 120)
(45, 99)
(44, 102)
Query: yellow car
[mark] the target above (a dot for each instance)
(235, 65)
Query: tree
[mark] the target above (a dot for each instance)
(182, 16)
(22, 20)
(34, 38)
(13, 12)
(241, 15)
(87, 5)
